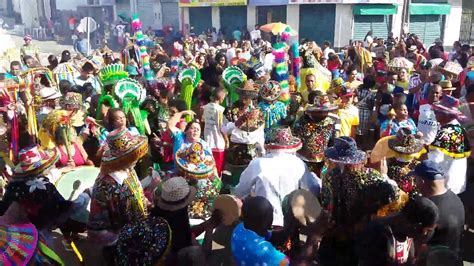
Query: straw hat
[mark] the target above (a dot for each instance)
(250, 89)
(174, 194)
(447, 85)
(230, 208)
(122, 150)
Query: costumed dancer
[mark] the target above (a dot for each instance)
(142, 49)
(317, 130)
(246, 129)
(131, 95)
(109, 76)
(117, 196)
(273, 110)
(189, 79)
(233, 78)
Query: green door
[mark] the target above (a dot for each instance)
(233, 17)
(200, 19)
(378, 24)
(427, 27)
(269, 14)
(317, 22)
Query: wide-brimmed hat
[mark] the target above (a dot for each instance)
(144, 242)
(48, 93)
(303, 206)
(18, 243)
(122, 150)
(446, 85)
(405, 142)
(270, 90)
(250, 121)
(71, 101)
(249, 89)
(33, 161)
(195, 161)
(345, 151)
(322, 104)
(281, 139)
(230, 208)
(448, 105)
(174, 194)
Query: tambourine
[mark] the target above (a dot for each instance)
(230, 208)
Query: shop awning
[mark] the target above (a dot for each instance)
(429, 9)
(376, 9)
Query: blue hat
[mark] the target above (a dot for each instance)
(345, 151)
(131, 70)
(429, 170)
(398, 90)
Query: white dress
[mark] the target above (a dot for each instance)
(213, 117)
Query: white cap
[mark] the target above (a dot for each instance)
(48, 93)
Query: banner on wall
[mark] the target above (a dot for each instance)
(200, 3)
(268, 2)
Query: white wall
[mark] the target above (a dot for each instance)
(293, 17)
(344, 24)
(251, 17)
(452, 27)
(29, 12)
(397, 21)
(215, 17)
(69, 4)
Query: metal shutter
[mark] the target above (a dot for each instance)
(170, 14)
(317, 22)
(233, 17)
(278, 14)
(200, 18)
(427, 27)
(378, 24)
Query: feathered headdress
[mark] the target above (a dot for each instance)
(233, 78)
(131, 95)
(112, 73)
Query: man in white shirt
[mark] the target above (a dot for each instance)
(450, 148)
(327, 49)
(427, 123)
(255, 34)
(231, 52)
(278, 173)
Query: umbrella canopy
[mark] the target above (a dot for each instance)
(278, 28)
(451, 69)
(67, 71)
(400, 62)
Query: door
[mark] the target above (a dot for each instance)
(317, 22)
(269, 14)
(200, 19)
(233, 17)
(427, 27)
(378, 24)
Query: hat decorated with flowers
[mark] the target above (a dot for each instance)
(71, 101)
(321, 104)
(448, 105)
(122, 150)
(404, 142)
(270, 91)
(281, 139)
(33, 161)
(345, 151)
(195, 161)
(249, 89)
(144, 242)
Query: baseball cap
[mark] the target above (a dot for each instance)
(429, 170)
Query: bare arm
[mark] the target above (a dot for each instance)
(175, 119)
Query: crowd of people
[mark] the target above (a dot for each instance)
(239, 152)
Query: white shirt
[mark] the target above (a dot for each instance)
(230, 54)
(275, 176)
(244, 137)
(427, 124)
(327, 51)
(255, 34)
(454, 169)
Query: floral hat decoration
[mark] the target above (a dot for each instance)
(34, 161)
(281, 139)
(249, 89)
(404, 142)
(122, 150)
(144, 242)
(322, 104)
(195, 161)
(345, 151)
(270, 91)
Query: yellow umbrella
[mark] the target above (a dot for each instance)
(277, 28)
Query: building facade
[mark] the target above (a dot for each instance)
(337, 21)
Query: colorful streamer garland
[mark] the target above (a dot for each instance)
(142, 49)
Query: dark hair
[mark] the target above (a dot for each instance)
(327, 43)
(441, 256)
(351, 68)
(53, 60)
(421, 210)
(391, 73)
(369, 82)
(65, 56)
(180, 105)
(188, 125)
(15, 63)
(398, 105)
(435, 52)
(64, 86)
(27, 57)
(465, 47)
(256, 211)
(87, 67)
(470, 89)
(76, 88)
(58, 137)
(87, 90)
(311, 96)
(332, 56)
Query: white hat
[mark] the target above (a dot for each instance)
(48, 93)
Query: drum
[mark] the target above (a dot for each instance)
(303, 206)
(73, 183)
(230, 207)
